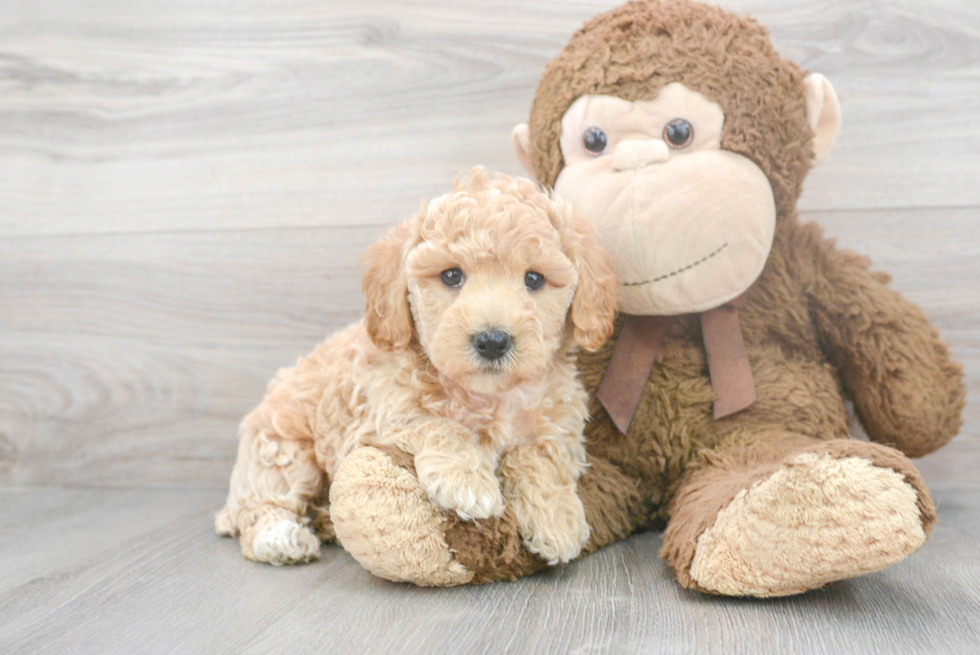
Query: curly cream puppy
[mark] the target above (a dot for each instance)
(464, 359)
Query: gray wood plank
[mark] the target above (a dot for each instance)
(149, 116)
(139, 571)
(129, 359)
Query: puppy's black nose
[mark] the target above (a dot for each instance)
(492, 344)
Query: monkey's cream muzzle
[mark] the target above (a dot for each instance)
(689, 228)
(685, 235)
(637, 153)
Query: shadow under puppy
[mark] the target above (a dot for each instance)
(464, 359)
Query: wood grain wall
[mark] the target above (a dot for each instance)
(185, 188)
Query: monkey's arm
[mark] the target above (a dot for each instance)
(907, 391)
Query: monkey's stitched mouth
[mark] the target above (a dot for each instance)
(678, 271)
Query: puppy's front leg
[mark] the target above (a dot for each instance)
(454, 470)
(539, 485)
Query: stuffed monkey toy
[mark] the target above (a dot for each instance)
(718, 406)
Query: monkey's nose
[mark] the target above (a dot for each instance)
(492, 344)
(634, 154)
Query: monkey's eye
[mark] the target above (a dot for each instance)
(595, 140)
(533, 280)
(452, 278)
(678, 133)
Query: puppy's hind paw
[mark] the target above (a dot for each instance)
(283, 542)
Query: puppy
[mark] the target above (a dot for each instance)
(464, 359)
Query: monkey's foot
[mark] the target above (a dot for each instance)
(817, 519)
(384, 518)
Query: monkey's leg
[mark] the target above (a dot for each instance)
(780, 513)
(384, 518)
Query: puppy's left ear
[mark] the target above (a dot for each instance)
(596, 297)
(387, 316)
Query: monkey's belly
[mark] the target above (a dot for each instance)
(674, 425)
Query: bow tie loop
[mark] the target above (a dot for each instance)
(635, 354)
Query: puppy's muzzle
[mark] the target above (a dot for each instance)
(491, 345)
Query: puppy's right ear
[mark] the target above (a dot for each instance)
(387, 316)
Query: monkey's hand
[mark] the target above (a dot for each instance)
(907, 391)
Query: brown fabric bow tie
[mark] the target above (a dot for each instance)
(635, 353)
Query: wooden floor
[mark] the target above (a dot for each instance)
(140, 571)
(185, 187)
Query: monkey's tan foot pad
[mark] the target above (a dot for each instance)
(817, 519)
(384, 519)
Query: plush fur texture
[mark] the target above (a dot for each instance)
(406, 541)
(409, 377)
(816, 518)
(819, 326)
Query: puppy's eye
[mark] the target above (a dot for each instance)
(452, 278)
(595, 140)
(533, 280)
(678, 133)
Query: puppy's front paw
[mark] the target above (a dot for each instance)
(557, 529)
(463, 482)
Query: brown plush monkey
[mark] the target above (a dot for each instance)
(677, 128)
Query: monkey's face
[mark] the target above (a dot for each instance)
(689, 225)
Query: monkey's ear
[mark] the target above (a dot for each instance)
(823, 113)
(520, 141)
(387, 316)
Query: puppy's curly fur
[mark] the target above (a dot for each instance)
(483, 432)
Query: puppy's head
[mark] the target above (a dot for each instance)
(493, 280)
